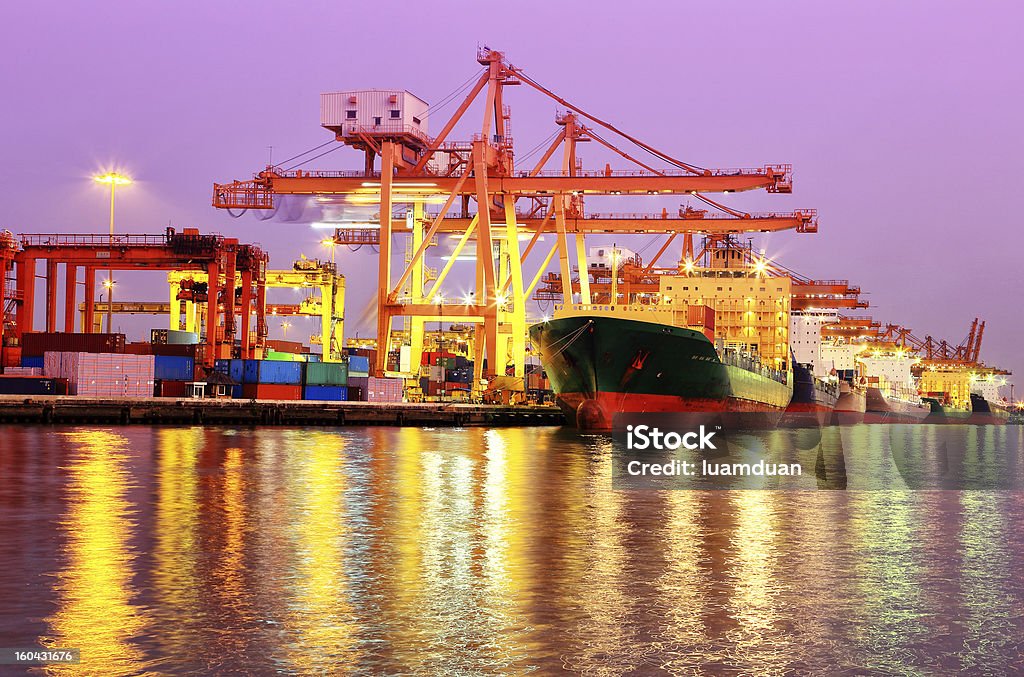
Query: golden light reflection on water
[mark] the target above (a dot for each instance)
(684, 586)
(754, 569)
(319, 616)
(177, 547)
(94, 589)
(603, 632)
(986, 570)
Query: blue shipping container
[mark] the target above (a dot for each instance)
(272, 372)
(168, 368)
(235, 369)
(35, 362)
(329, 393)
(358, 364)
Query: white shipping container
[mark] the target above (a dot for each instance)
(374, 110)
(23, 371)
(102, 374)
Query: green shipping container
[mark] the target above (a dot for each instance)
(326, 374)
(284, 357)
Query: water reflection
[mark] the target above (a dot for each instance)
(93, 591)
(401, 551)
(319, 618)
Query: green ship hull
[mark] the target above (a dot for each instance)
(600, 366)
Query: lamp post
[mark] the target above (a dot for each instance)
(439, 300)
(108, 284)
(284, 327)
(112, 179)
(331, 244)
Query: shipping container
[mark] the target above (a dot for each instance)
(27, 385)
(177, 350)
(102, 374)
(23, 371)
(384, 389)
(235, 369)
(173, 337)
(326, 393)
(11, 356)
(355, 394)
(358, 365)
(283, 346)
(178, 337)
(172, 388)
(38, 343)
(326, 374)
(138, 348)
(170, 368)
(32, 361)
(276, 356)
(271, 391)
(278, 373)
(700, 316)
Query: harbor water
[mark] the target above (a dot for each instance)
(172, 550)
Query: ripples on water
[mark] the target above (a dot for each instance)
(402, 550)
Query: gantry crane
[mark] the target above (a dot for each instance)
(233, 267)
(305, 274)
(634, 280)
(416, 169)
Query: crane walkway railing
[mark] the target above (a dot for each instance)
(90, 240)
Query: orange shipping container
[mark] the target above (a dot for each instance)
(266, 391)
(701, 316)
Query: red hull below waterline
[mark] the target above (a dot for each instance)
(595, 412)
(806, 415)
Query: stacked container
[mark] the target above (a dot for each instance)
(358, 365)
(263, 379)
(36, 344)
(326, 381)
(27, 385)
(373, 389)
(102, 374)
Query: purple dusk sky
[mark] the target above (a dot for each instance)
(902, 120)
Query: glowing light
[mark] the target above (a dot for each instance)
(108, 283)
(324, 225)
(501, 299)
(546, 318)
(372, 184)
(438, 299)
(113, 178)
(469, 298)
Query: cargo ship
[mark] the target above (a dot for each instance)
(942, 410)
(987, 412)
(601, 364)
(887, 403)
(713, 340)
(851, 405)
(814, 399)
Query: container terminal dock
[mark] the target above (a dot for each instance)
(192, 411)
(706, 323)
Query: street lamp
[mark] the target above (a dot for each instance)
(108, 284)
(331, 244)
(113, 179)
(284, 327)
